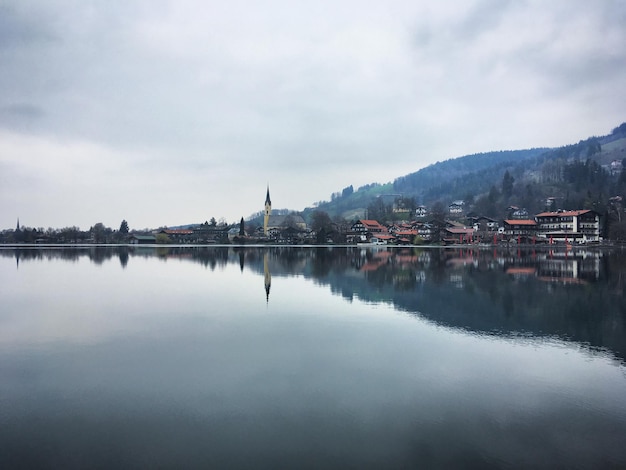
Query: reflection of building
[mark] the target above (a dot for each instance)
(566, 267)
(570, 267)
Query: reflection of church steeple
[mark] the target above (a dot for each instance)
(268, 278)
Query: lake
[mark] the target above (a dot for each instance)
(330, 357)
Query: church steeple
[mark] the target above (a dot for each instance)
(267, 197)
(268, 211)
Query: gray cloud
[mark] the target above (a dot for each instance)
(20, 113)
(17, 28)
(194, 96)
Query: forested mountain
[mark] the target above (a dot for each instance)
(434, 181)
(588, 174)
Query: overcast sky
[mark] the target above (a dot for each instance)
(173, 112)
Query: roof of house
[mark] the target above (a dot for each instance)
(143, 237)
(527, 222)
(459, 231)
(385, 237)
(406, 233)
(453, 223)
(370, 223)
(563, 213)
(180, 231)
(285, 220)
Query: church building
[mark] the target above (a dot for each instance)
(279, 222)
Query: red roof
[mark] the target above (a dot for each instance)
(370, 223)
(527, 271)
(460, 231)
(520, 222)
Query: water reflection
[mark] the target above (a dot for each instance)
(267, 276)
(175, 357)
(575, 295)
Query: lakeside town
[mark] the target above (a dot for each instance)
(451, 226)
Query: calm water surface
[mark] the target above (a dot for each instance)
(225, 357)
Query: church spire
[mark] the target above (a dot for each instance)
(268, 211)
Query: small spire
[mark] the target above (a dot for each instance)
(17, 229)
(267, 197)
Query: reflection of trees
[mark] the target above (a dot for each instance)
(96, 254)
(494, 292)
(489, 300)
(479, 291)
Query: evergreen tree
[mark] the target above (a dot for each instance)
(507, 184)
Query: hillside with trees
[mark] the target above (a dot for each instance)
(587, 175)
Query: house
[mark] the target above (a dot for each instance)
(179, 235)
(207, 233)
(517, 213)
(233, 233)
(281, 222)
(615, 167)
(363, 230)
(405, 236)
(454, 224)
(579, 226)
(288, 234)
(142, 239)
(421, 212)
(520, 228)
(368, 226)
(425, 231)
(458, 235)
(484, 224)
(456, 207)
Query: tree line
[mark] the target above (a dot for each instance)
(98, 233)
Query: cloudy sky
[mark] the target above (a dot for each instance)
(170, 112)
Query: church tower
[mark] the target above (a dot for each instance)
(268, 211)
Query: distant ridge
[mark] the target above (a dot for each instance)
(474, 176)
